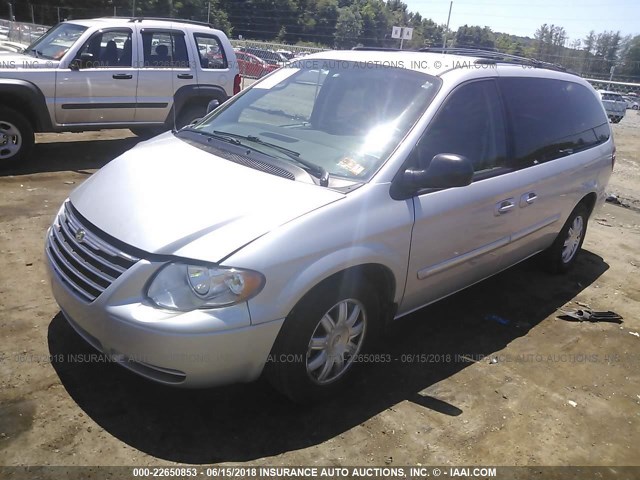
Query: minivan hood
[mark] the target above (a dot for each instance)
(166, 196)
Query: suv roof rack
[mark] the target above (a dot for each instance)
(379, 49)
(165, 19)
(493, 56)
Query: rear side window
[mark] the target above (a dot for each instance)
(164, 49)
(550, 118)
(613, 97)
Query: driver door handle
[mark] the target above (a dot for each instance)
(122, 76)
(505, 206)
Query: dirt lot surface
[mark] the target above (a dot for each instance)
(523, 389)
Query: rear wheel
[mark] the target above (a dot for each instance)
(562, 254)
(318, 347)
(147, 132)
(191, 112)
(16, 137)
(616, 119)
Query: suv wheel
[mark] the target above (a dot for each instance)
(189, 113)
(147, 132)
(562, 254)
(16, 136)
(318, 346)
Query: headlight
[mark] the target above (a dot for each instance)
(183, 287)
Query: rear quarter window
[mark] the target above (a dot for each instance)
(549, 118)
(210, 51)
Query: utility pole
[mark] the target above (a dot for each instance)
(133, 10)
(611, 72)
(208, 12)
(33, 17)
(10, 11)
(444, 43)
(58, 8)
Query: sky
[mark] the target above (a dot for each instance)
(522, 17)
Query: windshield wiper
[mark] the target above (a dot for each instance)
(313, 168)
(217, 135)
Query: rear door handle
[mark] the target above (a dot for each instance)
(122, 76)
(527, 199)
(505, 206)
(185, 76)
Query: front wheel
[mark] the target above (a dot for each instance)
(562, 254)
(319, 345)
(16, 136)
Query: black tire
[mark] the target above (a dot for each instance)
(16, 137)
(147, 132)
(291, 368)
(635, 107)
(562, 254)
(191, 112)
(616, 119)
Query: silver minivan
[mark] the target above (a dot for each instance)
(285, 229)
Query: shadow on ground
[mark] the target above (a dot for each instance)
(77, 156)
(246, 422)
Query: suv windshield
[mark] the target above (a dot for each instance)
(55, 43)
(343, 118)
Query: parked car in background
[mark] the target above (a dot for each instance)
(269, 56)
(632, 102)
(148, 75)
(284, 230)
(252, 66)
(286, 54)
(614, 105)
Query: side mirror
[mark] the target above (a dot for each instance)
(212, 105)
(83, 61)
(446, 170)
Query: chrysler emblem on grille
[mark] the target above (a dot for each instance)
(80, 234)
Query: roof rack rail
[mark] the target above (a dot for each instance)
(493, 56)
(378, 49)
(177, 20)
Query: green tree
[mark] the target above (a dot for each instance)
(474, 36)
(348, 27)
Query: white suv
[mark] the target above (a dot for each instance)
(341, 192)
(145, 74)
(614, 104)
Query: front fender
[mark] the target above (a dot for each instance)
(28, 99)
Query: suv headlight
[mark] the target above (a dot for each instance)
(183, 287)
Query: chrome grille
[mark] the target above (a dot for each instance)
(83, 260)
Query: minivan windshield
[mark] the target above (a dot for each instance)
(341, 118)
